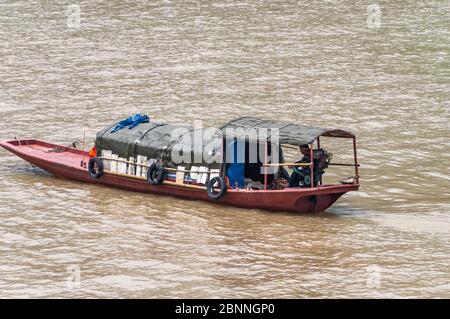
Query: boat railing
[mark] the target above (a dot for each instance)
(355, 164)
(307, 164)
(202, 176)
(170, 169)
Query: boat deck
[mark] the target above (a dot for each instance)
(68, 156)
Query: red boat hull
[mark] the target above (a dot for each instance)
(67, 164)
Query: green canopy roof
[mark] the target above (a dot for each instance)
(289, 133)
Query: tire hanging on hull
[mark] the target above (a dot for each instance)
(212, 185)
(95, 168)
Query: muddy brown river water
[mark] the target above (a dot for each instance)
(323, 63)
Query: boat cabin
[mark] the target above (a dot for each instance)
(247, 153)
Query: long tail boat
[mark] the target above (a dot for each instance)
(141, 159)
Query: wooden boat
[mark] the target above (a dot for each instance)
(70, 163)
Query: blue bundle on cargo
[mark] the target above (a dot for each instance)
(131, 122)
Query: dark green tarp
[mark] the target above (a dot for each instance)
(157, 141)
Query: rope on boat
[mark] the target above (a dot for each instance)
(141, 138)
(53, 150)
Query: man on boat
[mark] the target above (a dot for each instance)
(299, 172)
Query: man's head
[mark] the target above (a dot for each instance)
(304, 149)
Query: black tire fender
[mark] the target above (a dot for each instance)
(212, 186)
(95, 172)
(155, 174)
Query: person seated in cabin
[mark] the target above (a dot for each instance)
(299, 172)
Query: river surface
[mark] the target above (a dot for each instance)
(324, 63)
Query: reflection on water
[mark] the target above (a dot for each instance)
(314, 63)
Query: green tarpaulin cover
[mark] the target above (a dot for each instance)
(159, 140)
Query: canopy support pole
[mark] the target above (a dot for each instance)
(265, 167)
(223, 164)
(311, 168)
(356, 160)
(318, 147)
(84, 147)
